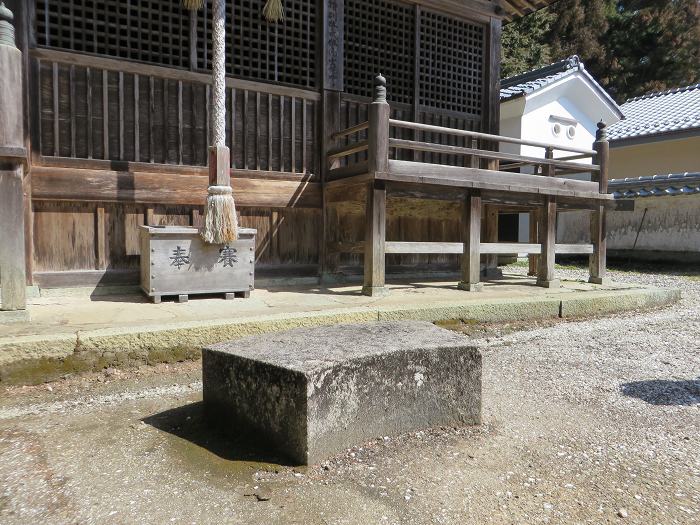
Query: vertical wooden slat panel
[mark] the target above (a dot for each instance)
(151, 117)
(121, 115)
(193, 142)
(293, 135)
(179, 122)
(100, 238)
(88, 81)
(54, 78)
(281, 133)
(105, 115)
(269, 132)
(137, 125)
(257, 130)
(245, 129)
(166, 146)
(233, 126)
(303, 136)
(73, 108)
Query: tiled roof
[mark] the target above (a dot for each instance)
(526, 83)
(656, 185)
(658, 113)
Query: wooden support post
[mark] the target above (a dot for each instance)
(375, 219)
(471, 238)
(547, 230)
(13, 278)
(533, 238)
(491, 118)
(375, 240)
(598, 260)
(330, 72)
(491, 235)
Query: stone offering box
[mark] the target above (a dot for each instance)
(311, 393)
(176, 261)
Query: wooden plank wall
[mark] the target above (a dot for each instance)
(104, 236)
(123, 144)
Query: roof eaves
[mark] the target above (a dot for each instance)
(675, 134)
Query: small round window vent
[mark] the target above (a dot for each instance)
(571, 132)
(556, 129)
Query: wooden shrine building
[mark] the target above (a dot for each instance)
(116, 98)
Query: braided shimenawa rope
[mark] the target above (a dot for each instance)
(219, 73)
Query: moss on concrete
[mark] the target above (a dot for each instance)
(35, 359)
(43, 369)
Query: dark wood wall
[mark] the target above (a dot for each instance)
(118, 128)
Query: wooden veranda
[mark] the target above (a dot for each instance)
(483, 176)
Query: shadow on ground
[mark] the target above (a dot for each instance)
(190, 423)
(665, 392)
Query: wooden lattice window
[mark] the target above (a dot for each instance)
(283, 52)
(154, 31)
(379, 38)
(451, 63)
(158, 32)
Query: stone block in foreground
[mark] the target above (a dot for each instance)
(313, 392)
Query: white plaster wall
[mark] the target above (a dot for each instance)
(538, 124)
(671, 224)
(572, 101)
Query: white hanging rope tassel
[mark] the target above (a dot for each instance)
(220, 221)
(273, 11)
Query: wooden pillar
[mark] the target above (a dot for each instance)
(598, 260)
(375, 219)
(547, 230)
(13, 279)
(491, 235)
(471, 238)
(330, 75)
(533, 259)
(491, 124)
(375, 239)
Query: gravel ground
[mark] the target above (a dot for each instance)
(590, 421)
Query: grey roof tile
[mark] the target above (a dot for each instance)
(526, 83)
(658, 113)
(673, 184)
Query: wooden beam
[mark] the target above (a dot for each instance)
(160, 188)
(444, 248)
(456, 176)
(573, 167)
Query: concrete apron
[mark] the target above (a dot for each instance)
(72, 332)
